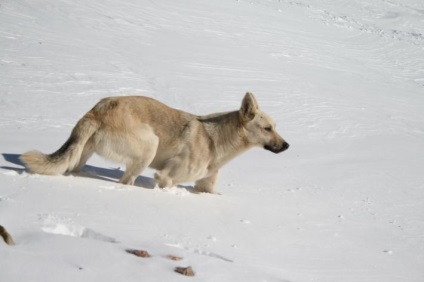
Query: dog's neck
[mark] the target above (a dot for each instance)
(227, 135)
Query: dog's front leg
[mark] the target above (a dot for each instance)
(166, 176)
(162, 180)
(207, 184)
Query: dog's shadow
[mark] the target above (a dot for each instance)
(90, 172)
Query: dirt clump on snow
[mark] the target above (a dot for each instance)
(174, 258)
(139, 253)
(6, 236)
(187, 271)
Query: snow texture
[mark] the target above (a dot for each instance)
(344, 81)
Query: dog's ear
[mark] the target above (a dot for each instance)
(249, 107)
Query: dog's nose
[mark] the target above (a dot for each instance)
(276, 149)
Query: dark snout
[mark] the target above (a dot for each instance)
(277, 148)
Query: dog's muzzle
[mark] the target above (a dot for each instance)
(277, 150)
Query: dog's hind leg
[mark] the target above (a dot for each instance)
(132, 171)
(87, 152)
(136, 147)
(139, 154)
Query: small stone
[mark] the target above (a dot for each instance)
(139, 253)
(6, 236)
(187, 271)
(174, 258)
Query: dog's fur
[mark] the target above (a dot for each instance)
(142, 132)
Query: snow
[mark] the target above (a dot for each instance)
(344, 81)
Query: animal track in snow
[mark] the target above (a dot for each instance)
(6, 199)
(200, 252)
(64, 226)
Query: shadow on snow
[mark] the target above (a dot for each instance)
(88, 171)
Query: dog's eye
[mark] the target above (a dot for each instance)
(268, 128)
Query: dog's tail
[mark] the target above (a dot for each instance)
(68, 156)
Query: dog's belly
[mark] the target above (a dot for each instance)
(191, 173)
(182, 168)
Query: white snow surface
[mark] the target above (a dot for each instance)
(344, 80)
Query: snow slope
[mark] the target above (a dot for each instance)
(344, 81)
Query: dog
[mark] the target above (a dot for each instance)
(142, 132)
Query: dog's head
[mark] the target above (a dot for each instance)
(259, 128)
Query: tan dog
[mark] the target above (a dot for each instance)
(142, 132)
